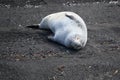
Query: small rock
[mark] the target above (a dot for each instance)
(17, 59)
(113, 2)
(90, 67)
(60, 68)
(53, 78)
(115, 72)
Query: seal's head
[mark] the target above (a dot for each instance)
(76, 42)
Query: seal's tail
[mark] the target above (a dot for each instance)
(34, 26)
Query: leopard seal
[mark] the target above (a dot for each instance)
(68, 28)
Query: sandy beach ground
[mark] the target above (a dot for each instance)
(27, 54)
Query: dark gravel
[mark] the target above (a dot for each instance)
(27, 54)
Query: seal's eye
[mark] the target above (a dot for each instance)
(78, 38)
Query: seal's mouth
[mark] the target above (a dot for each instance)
(77, 47)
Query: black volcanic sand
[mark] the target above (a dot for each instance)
(27, 54)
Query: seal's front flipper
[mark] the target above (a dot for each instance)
(76, 18)
(70, 16)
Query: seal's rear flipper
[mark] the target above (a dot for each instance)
(34, 26)
(37, 26)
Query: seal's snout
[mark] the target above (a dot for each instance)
(76, 42)
(76, 45)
